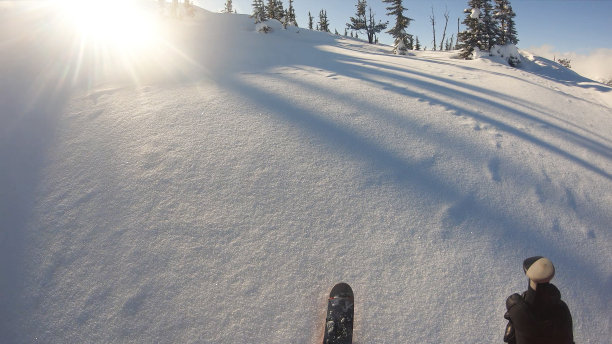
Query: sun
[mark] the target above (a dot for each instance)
(119, 24)
(112, 40)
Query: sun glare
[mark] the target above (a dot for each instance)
(118, 23)
(113, 39)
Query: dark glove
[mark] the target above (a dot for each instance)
(512, 301)
(509, 334)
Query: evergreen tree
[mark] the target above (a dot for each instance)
(491, 30)
(374, 28)
(449, 43)
(505, 17)
(417, 44)
(259, 11)
(511, 36)
(280, 11)
(323, 22)
(403, 41)
(567, 63)
(271, 9)
(366, 23)
(310, 20)
(474, 35)
(291, 14)
(358, 22)
(228, 7)
(486, 26)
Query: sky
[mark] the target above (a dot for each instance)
(550, 28)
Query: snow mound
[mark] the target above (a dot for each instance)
(508, 53)
(263, 27)
(504, 54)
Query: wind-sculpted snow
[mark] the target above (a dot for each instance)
(216, 190)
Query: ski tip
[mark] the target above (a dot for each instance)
(341, 290)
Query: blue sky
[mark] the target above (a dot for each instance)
(568, 26)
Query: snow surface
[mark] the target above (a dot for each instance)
(215, 190)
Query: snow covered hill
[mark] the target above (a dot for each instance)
(213, 184)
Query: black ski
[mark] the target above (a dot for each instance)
(339, 319)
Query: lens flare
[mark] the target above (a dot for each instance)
(116, 23)
(113, 39)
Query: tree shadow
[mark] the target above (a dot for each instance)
(546, 71)
(409, 126)
(492, 94)
(411, 175)
(353, 68)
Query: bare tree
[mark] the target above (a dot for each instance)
(373, 28)
(457, 44)
(432, 19)
(445, 25)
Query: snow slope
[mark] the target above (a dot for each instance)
(214, 189)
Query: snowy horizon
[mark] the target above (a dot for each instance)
(586, 41)
(594, 65)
